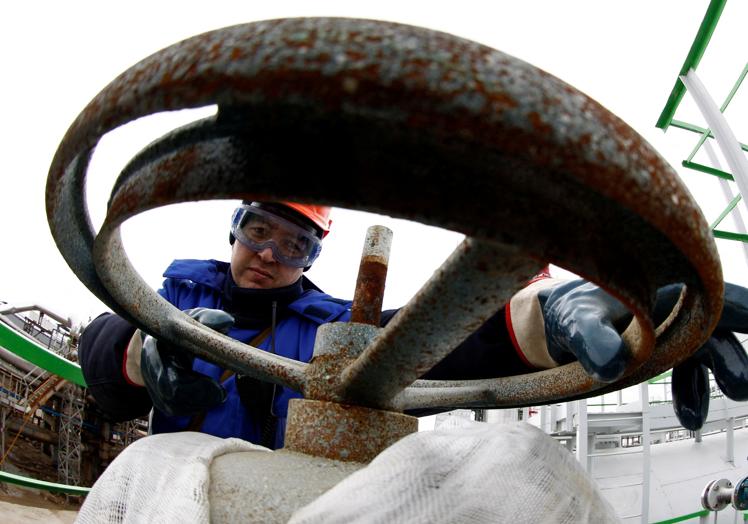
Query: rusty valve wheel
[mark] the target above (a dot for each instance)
(416, 124)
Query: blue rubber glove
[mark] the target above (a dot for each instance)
(582, 322)
(173, 386)
(722, 353)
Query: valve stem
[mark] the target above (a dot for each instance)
(372, 274)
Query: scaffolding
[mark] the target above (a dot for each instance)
(69, 433)
(131, 430)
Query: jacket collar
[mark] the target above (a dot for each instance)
(253, 308)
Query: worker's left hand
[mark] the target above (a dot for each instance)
(583, 322)
(722, 353)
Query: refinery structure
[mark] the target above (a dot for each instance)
(49, 430)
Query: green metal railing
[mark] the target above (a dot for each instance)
(700, 43)
(708, 170)
(682, 518)
(690, 164)
(680, 124)
(660, 377)
(698, 47)
(694, 515)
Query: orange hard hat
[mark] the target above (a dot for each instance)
(319, 215)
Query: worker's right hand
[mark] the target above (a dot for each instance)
(174, 387)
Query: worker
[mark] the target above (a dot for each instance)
(263, 298)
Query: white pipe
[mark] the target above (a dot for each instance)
(582, 453)
(21, 364)
(569, 423)
(544, 419)
(646, 441)
(13, 310)
(716, 121)
(727, 192)
(554, 409)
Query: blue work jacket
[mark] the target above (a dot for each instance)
(200, 283)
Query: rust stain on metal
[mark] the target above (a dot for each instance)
(541, 127)
(369, 294)
(168, 184)
(336, 346)
(372, 275)
(125, 203)
(343, 432)
(323, 374)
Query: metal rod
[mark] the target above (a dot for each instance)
(698, 129)
(372, 274)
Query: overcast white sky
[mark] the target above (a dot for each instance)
(58, 55)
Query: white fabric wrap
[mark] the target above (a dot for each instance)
(481, 473)
(526, 321)
(162, 478)
(477, 473)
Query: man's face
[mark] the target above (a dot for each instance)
(259, 270)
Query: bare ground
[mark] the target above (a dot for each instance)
(19, 504)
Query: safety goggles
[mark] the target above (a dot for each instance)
(291, 244)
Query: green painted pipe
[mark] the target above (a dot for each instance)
(41, 484)
(38, 355)
(682, 518)
(34, 353)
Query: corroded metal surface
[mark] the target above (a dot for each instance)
(345, 339)
(472, 139)
(372, 274)
(336, 345)
(343, 432)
